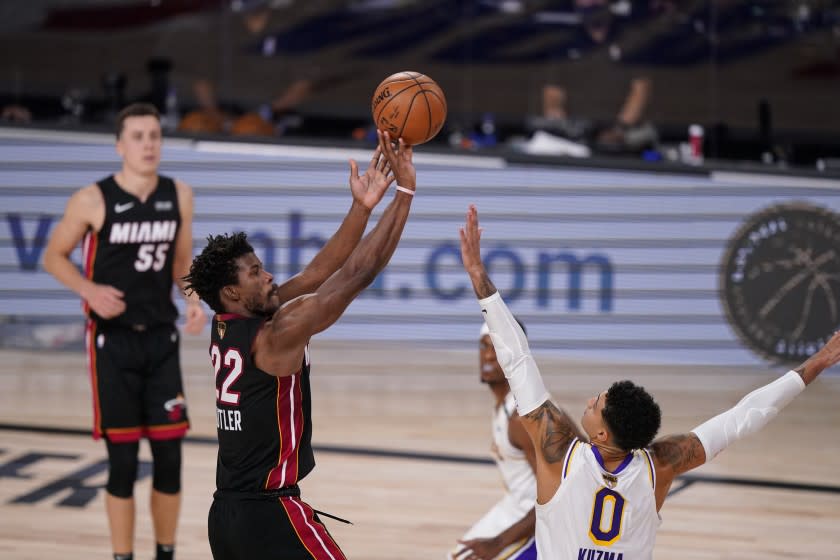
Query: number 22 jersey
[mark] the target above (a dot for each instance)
(263, 422)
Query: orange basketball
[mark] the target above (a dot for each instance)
(409, 105)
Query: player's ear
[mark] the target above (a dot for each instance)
(602, 435)
(230, 292)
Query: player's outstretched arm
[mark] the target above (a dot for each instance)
(676, 454)
(295, 322)
(550, 428)
(367, 189)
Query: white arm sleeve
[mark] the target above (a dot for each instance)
(748, 416)
(514, 355)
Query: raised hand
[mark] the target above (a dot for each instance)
(471, 256)
(471, 241)
(400, 159)
(368, 189)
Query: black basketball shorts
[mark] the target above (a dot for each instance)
(136, 381)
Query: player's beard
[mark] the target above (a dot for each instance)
(262, 307)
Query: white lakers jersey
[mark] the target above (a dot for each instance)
(598, 515)
(516, 502)
(514, 467)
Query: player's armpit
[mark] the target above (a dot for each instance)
(552, 431)
(678, 453)
(279, 345)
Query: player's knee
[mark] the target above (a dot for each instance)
(166, 476)
(122, 469)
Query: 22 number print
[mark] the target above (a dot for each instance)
(233, 363)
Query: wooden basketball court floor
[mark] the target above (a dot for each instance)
(402, 442)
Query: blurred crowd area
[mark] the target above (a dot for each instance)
(747, 80)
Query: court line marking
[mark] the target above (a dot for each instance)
(686, 480)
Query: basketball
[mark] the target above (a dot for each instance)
(409, 105)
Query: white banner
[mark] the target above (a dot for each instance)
(599, 264)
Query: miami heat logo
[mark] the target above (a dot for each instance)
(780, 281)
(175, 408)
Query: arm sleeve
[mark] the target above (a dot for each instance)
(514, 355)
(748, 416)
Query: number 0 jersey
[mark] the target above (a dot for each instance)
(134, 252)
(599, 514)
(263, 422)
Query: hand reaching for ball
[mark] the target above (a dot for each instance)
(399, 155)
(368, 189)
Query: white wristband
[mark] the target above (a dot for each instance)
(405, 190)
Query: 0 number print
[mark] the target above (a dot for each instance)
(607, 512)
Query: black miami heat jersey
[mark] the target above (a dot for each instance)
(263, 422)
(134, 252)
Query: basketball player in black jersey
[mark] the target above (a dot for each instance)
(137, 232)
(259, 351)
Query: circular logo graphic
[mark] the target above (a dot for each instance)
(780, 281)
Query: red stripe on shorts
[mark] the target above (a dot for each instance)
(90, 342)
(312, 534)
(167, 431)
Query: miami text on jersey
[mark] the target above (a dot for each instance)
(143, 232)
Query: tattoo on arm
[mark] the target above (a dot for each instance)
(557, 431)
(484, 287)
(806, 376)
(681, 452)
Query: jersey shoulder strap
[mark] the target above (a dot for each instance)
(571, 453)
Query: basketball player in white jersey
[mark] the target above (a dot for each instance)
(507, 530)
(599, 492)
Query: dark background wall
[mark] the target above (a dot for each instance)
(760, 71)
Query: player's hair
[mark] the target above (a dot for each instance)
(215, 267)
(135, 110)
(631, 415)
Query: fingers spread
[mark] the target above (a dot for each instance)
(376, 159)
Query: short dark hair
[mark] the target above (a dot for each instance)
(216, 268)
(135, 110)
(631, 415)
